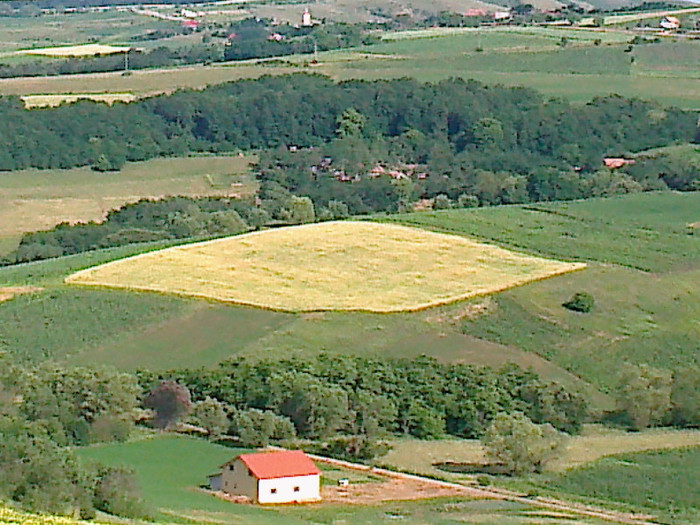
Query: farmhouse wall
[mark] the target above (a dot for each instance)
(238, 480)
(290, 490)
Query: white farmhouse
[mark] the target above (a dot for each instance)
(286, 476)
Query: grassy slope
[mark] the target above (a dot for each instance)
(664, 482)
(639, 316)
(33, 199)
(592, 444)
(171, 468)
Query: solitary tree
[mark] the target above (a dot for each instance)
(170, 402)
(520, 445)
(644, 395)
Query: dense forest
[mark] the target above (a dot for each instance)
(329, 150)
(497, 128)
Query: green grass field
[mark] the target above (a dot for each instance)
(52, 30)
(640, 316)
(531, 57)
(644, 285)
(665, 483)
(32, 199)
(172, 468)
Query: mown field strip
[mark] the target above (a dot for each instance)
(44, 101)
(329, 266)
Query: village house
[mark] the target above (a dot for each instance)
(285, 476)
(615, 163)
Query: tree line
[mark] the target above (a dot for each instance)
(45, 410)
(454, 143)
(491, 128)
(342, 406)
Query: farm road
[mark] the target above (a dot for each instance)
(496, 493)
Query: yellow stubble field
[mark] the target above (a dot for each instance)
(349, 265)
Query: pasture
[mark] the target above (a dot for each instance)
(329, 266)
(591, 445)
(33, 199)
(171, 468)
(576, 64)
(663, 482)
(639, 316)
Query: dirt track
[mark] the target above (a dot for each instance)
(399, 483)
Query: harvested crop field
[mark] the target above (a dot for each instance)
(44, 101)
(10, 292)
(329, 266)
(75, 51)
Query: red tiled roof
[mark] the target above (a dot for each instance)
(279, 464)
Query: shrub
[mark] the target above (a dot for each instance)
(467, 201)
(580, 302)
(117, 492)
(106, 428)
(442, 202)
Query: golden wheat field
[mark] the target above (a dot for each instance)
(329, 266)
(82, 50)
(44, 101)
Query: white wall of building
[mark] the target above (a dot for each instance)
(290, 490)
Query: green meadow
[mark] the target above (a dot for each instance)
(575, 64)
(643, 271)
(664, 482)
(172, 469)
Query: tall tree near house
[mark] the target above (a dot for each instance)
(170, 402)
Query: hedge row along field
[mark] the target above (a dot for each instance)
(329, 266)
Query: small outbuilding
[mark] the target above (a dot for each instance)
(285, 476)
(670, 22)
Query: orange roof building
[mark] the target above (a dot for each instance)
(277, 477)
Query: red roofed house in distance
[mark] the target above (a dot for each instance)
(285, 476)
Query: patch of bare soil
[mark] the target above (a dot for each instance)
(468, 311)
(392, 489)
(10, 292)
